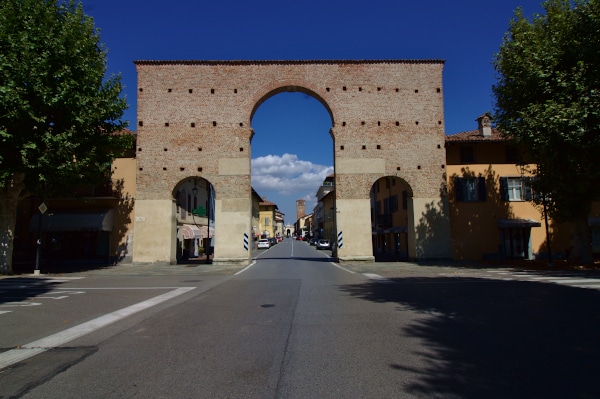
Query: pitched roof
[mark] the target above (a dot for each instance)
(264, 202)
(473, 136)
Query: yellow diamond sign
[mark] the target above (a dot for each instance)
(43, 208)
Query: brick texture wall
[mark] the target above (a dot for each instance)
(194, 120)
(192, 113)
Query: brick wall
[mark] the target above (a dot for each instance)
(191, 113)
(194, 119)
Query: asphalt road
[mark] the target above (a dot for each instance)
(296, 325)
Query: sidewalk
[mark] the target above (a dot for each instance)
(199, 266)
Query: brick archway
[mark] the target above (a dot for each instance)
(194, 117)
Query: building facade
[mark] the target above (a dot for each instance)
(492, 214)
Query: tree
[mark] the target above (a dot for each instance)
(548, 102)
(57, 110)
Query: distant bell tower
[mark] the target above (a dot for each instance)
(300, 208)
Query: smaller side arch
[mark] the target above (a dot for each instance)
(195, 228)
(391, 214)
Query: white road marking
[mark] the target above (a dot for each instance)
(17, 304)
(340, 267)
(36, 347)
(536, 278)
(377, 278)
(246, 268)
(52, 297)
(5, 311)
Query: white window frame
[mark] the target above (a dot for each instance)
(515, 189)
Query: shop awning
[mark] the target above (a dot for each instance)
(88, 221)
(517, 223)
(205, 232)
(190, 231)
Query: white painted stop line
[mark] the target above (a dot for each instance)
(36, 347)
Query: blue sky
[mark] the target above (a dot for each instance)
(292, 149)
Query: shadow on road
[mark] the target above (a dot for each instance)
(19, 290)
(496, 339)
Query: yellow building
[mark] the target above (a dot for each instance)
(268, 215)
(489, 193)
(94, 226)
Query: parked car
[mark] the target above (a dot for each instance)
(323, 244)
(279, 239)
(313, 241)
(263, 243)
(272, 241)
(299, 238)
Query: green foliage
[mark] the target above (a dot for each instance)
(200, 211)
(548, 100)
(57, 109)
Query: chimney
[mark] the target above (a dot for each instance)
(485, 125)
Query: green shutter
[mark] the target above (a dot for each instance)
(504, 188)
(481, 193)
(458, 188)
(527, 192)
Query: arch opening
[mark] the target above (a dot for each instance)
(194, 199)
(390, 216)
(292, 156)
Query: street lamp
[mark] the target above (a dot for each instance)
(42, 208)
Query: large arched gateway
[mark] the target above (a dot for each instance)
(194, 119)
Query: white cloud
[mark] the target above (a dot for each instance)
(288, 175)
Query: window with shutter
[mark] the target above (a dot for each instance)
(516, 188)
(470, 189)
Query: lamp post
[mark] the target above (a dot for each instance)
(522, 168)
(42, 208)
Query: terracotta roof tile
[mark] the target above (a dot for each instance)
(475, 136)
(267, 203)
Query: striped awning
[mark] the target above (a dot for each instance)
(190, 231)
(205, 232)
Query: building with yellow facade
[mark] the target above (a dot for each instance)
(492, 215)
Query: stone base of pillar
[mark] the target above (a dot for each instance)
(230, 261)
(356, 259)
